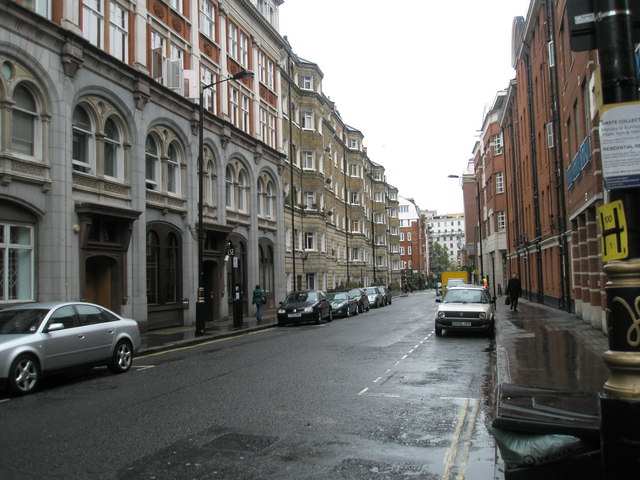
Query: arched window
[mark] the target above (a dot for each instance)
(210, 179)
(113, 150)
(83, 141)
(210, 184)
(241, 201)
(269, 201)
(24, 127)
(173, 169)
(228, 182)
(152, 162)
(153, 258)
(260, 198)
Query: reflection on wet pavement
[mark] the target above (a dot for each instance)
(553, 350)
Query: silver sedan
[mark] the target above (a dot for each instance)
(40, 338)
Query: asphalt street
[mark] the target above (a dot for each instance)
(374, 396)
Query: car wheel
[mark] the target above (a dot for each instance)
(319, 317)
(347, 312)
(438, 331)
(24, 375)
(122, 357)
(330, 319)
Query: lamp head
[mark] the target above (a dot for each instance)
(242, 74)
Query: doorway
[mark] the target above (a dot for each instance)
(100, 274)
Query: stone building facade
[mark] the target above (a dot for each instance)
(99, 146)
(340, 214)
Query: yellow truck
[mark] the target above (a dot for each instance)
(454, 278)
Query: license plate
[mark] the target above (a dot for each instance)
(460, 324)
(295, 315)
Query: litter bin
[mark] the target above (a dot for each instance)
(546, 433)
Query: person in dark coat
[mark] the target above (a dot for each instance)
(259, 299)
(514, 290)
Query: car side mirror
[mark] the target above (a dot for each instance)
(493, 299)
(438, 300)
(54, 327)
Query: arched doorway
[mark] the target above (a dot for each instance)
(100, 275)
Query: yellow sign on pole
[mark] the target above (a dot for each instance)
(613, 231)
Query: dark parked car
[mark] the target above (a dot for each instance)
(376, 298)
(305, 306)
(39, 338)
(343, 304)
(363, 299)
(466, 308)
(386, 293)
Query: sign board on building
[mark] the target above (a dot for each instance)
(613, 231)
(620, 145)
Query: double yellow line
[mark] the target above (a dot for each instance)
(467, 417)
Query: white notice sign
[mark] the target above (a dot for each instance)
(620, 145)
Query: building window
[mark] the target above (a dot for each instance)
(309, 241)
(41, 7)
(83, 153)
(113, 150)
(353, 143)
(25, 127)
(310, 200)
(502, 225)
(271, 141)
(246, 124)
(311, 281)
(92, 21)
(308, 160)
(270, 73)
(244, 51)
(234, 105)
(307, 120)
(241, 192)
(306, 82)
(408, 236)
(16, 262)
(270, 200)
(152, 162)
(208, 19)
(228, 180)
(207, 77)
(499, 184)
(173, 169)
(497, 144)
(232, 45)
(119, 32)
(354, 198)
(163, 266)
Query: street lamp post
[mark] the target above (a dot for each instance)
(200, 305)
(475, 180)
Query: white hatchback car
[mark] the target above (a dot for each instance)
(39, 338)
(466, 308)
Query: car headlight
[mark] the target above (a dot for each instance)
(482, 315)
(281, 310)
(441, 314)
(308, 309)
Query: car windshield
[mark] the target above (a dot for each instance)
(371, 290)
(21, 321)
(355, 293)
(302, 297)
(338, 296)
(463, 295)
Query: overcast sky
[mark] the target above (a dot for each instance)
(414, 76)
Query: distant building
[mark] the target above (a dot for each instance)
(448, 231)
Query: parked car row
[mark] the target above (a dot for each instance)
(317, 306)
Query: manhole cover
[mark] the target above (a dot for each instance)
(243, 443)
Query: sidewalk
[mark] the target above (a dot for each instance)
(155, 341)
(541, 346)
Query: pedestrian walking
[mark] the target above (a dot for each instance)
(514, 290)
(259, 299)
